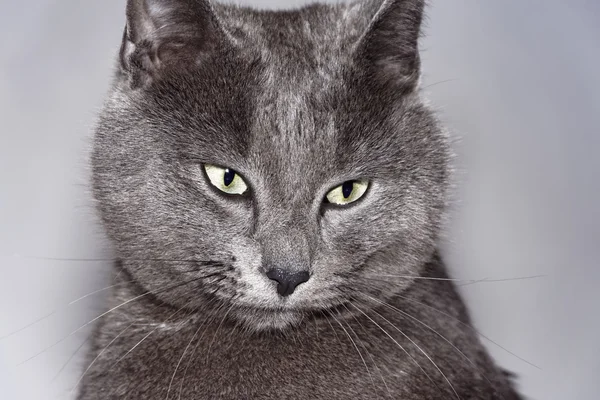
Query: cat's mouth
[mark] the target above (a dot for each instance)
(277, 318)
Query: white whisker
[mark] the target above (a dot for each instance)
(102, 315)
(151, 332)
(434, 331)
(187, 366)
(469, 327)
(70, 358)
(418, 347)
(355, 346)
(464, 281)
(217, 332)
(180, 359)
(98, 356)
(367, 351)
(398, 344)
(335, 333)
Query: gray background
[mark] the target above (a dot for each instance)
(519, 84)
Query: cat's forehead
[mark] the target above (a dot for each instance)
(297, 42)
(300, 89)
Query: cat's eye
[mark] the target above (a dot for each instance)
(348, 192)
(225, 179)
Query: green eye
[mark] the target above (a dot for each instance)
(348, 192)
(225, 179)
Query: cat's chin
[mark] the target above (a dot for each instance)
(265, 319)
(261, 320)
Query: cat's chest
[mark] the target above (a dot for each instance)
(193, 361)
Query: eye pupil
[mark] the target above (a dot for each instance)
(347, 188)
(228, 177)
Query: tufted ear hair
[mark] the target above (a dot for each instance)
(165, 32)
(390, 43)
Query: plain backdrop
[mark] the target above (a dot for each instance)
(516, 80)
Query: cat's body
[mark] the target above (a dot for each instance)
(277, 291)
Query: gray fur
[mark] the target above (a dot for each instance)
(297, 102)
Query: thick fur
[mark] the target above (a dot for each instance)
(297, 102)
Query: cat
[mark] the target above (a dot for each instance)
(274, 188)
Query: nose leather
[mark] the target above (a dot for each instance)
(287, 281)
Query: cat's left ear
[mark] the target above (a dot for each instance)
(160, 33)
(390, 43)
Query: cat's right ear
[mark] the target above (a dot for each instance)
(390, 43)
(160, 33)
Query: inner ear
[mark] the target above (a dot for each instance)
(160, 33)
(390, 42)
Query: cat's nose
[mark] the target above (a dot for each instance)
(287, 281)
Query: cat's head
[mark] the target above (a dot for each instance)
(270, 164)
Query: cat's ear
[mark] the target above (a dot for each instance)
(165, 32)
(390, 43)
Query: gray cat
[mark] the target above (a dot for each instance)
(274, 188)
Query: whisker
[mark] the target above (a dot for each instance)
(187, 317)
(317, 340)
(417, 346)
(71, 303)
(95, 292)
(334, 332)
(217, 332)
(71, 357)
(118, 275)
(188, 363)
(59, 309)
(432, 330)
(438, 83)
(366, 350)
(37, 321)
(181, 358)
(469, 327)
(235, 326)
(106, 313)
(112, 259)
(355, 346)
(398, 344)
(206, 322)
(104, 350)
(151, 332)
(136, 345)
(484, 280)
(465, 281)
(98, 356)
